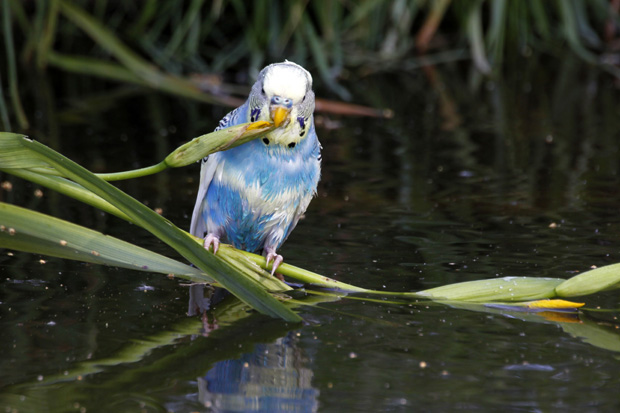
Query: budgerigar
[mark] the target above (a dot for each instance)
(252, 196)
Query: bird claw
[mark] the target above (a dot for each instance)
(212, 239)
(277, 260)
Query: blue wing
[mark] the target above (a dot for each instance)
(198, 226)
(252, 199)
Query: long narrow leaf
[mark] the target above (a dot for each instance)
(590, 282)
(199, 147)
(68, 188)
(244, 288)
(94, 67)
(136, 64)
(234, 257)
(14, 155)
(12, 65)
(476, 39)
(497, 289)
(26, 230)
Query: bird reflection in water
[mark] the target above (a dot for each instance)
(271, 378)
(200, 304)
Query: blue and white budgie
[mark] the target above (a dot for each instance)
(252, 196)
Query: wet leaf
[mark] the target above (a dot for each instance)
(497, 289)
(554, 304)
(590, 282)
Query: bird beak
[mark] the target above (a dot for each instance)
(279, 115)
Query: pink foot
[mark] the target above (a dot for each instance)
(277, 259)
(212, 239)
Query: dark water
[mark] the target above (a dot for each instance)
(470, 180)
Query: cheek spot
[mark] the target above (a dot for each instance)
(291, 145)
(254, 114)
(302, 122)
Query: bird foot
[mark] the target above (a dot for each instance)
(212, 239)
(277, 259)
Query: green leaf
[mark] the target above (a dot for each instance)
(220, 140)
(66, 187)
(476, 39)
(14, 155)
(497, 289)
(25, 230)
(246, 289)
(301, 274)
(590, 282)
(142, 69)
(198, 148)
(11, 64)
(569, 17)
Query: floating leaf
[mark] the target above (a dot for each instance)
(497, 289)
(590, 282)
(554, 304)
(306, 276)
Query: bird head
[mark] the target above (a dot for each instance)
(283, 95)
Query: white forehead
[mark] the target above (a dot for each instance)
(288, 80)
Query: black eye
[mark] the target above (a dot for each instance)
(266, 141)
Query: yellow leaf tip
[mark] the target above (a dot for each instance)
(557, 304)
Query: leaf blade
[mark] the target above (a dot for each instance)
(497, 289)
(26, 230)
(245, 289)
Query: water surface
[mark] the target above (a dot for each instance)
(517, 177)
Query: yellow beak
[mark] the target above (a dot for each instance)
(279, 115)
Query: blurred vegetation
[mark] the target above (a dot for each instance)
(201, 49)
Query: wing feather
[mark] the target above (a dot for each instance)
(198, 226)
